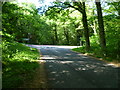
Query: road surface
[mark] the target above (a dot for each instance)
(68, 69)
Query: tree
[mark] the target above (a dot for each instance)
(85, 25)
(52, 14)
(116, 7)
(101, 29)
(80, 6)
(22, 23)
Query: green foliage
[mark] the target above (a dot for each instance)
(114, 7)
(112, 34)
(95, 47)
(112, 31)
(81, 50)
(57, 26)
(66, 24)
(18, 62)
(21, 22)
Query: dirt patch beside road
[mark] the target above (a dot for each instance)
(39, 80)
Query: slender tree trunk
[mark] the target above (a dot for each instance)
(94, 24)
(53, 40)
(94, 27)
(101, 29)
(56, 36)
(86, 30)
(66, 35)
(78, 37)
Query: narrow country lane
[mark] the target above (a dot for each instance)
(68, 69)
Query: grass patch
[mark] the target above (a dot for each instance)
(18, 64)
(96, 52)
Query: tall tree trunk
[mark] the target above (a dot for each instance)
(81, 9)
(101, 29)
(86, 30)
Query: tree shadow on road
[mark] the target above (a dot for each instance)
(84, 72)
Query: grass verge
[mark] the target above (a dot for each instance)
(18, 64)
(95, 52)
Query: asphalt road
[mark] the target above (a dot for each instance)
(68, 69)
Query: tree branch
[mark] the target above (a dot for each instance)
(75, 8)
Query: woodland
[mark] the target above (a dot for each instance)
(93, 26)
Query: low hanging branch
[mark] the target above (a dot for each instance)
(81, 8)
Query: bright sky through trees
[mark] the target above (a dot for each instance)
(36, 2)
(44, 5)
(30, 1)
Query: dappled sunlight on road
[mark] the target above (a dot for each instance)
(85, 73)
(67, 69)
